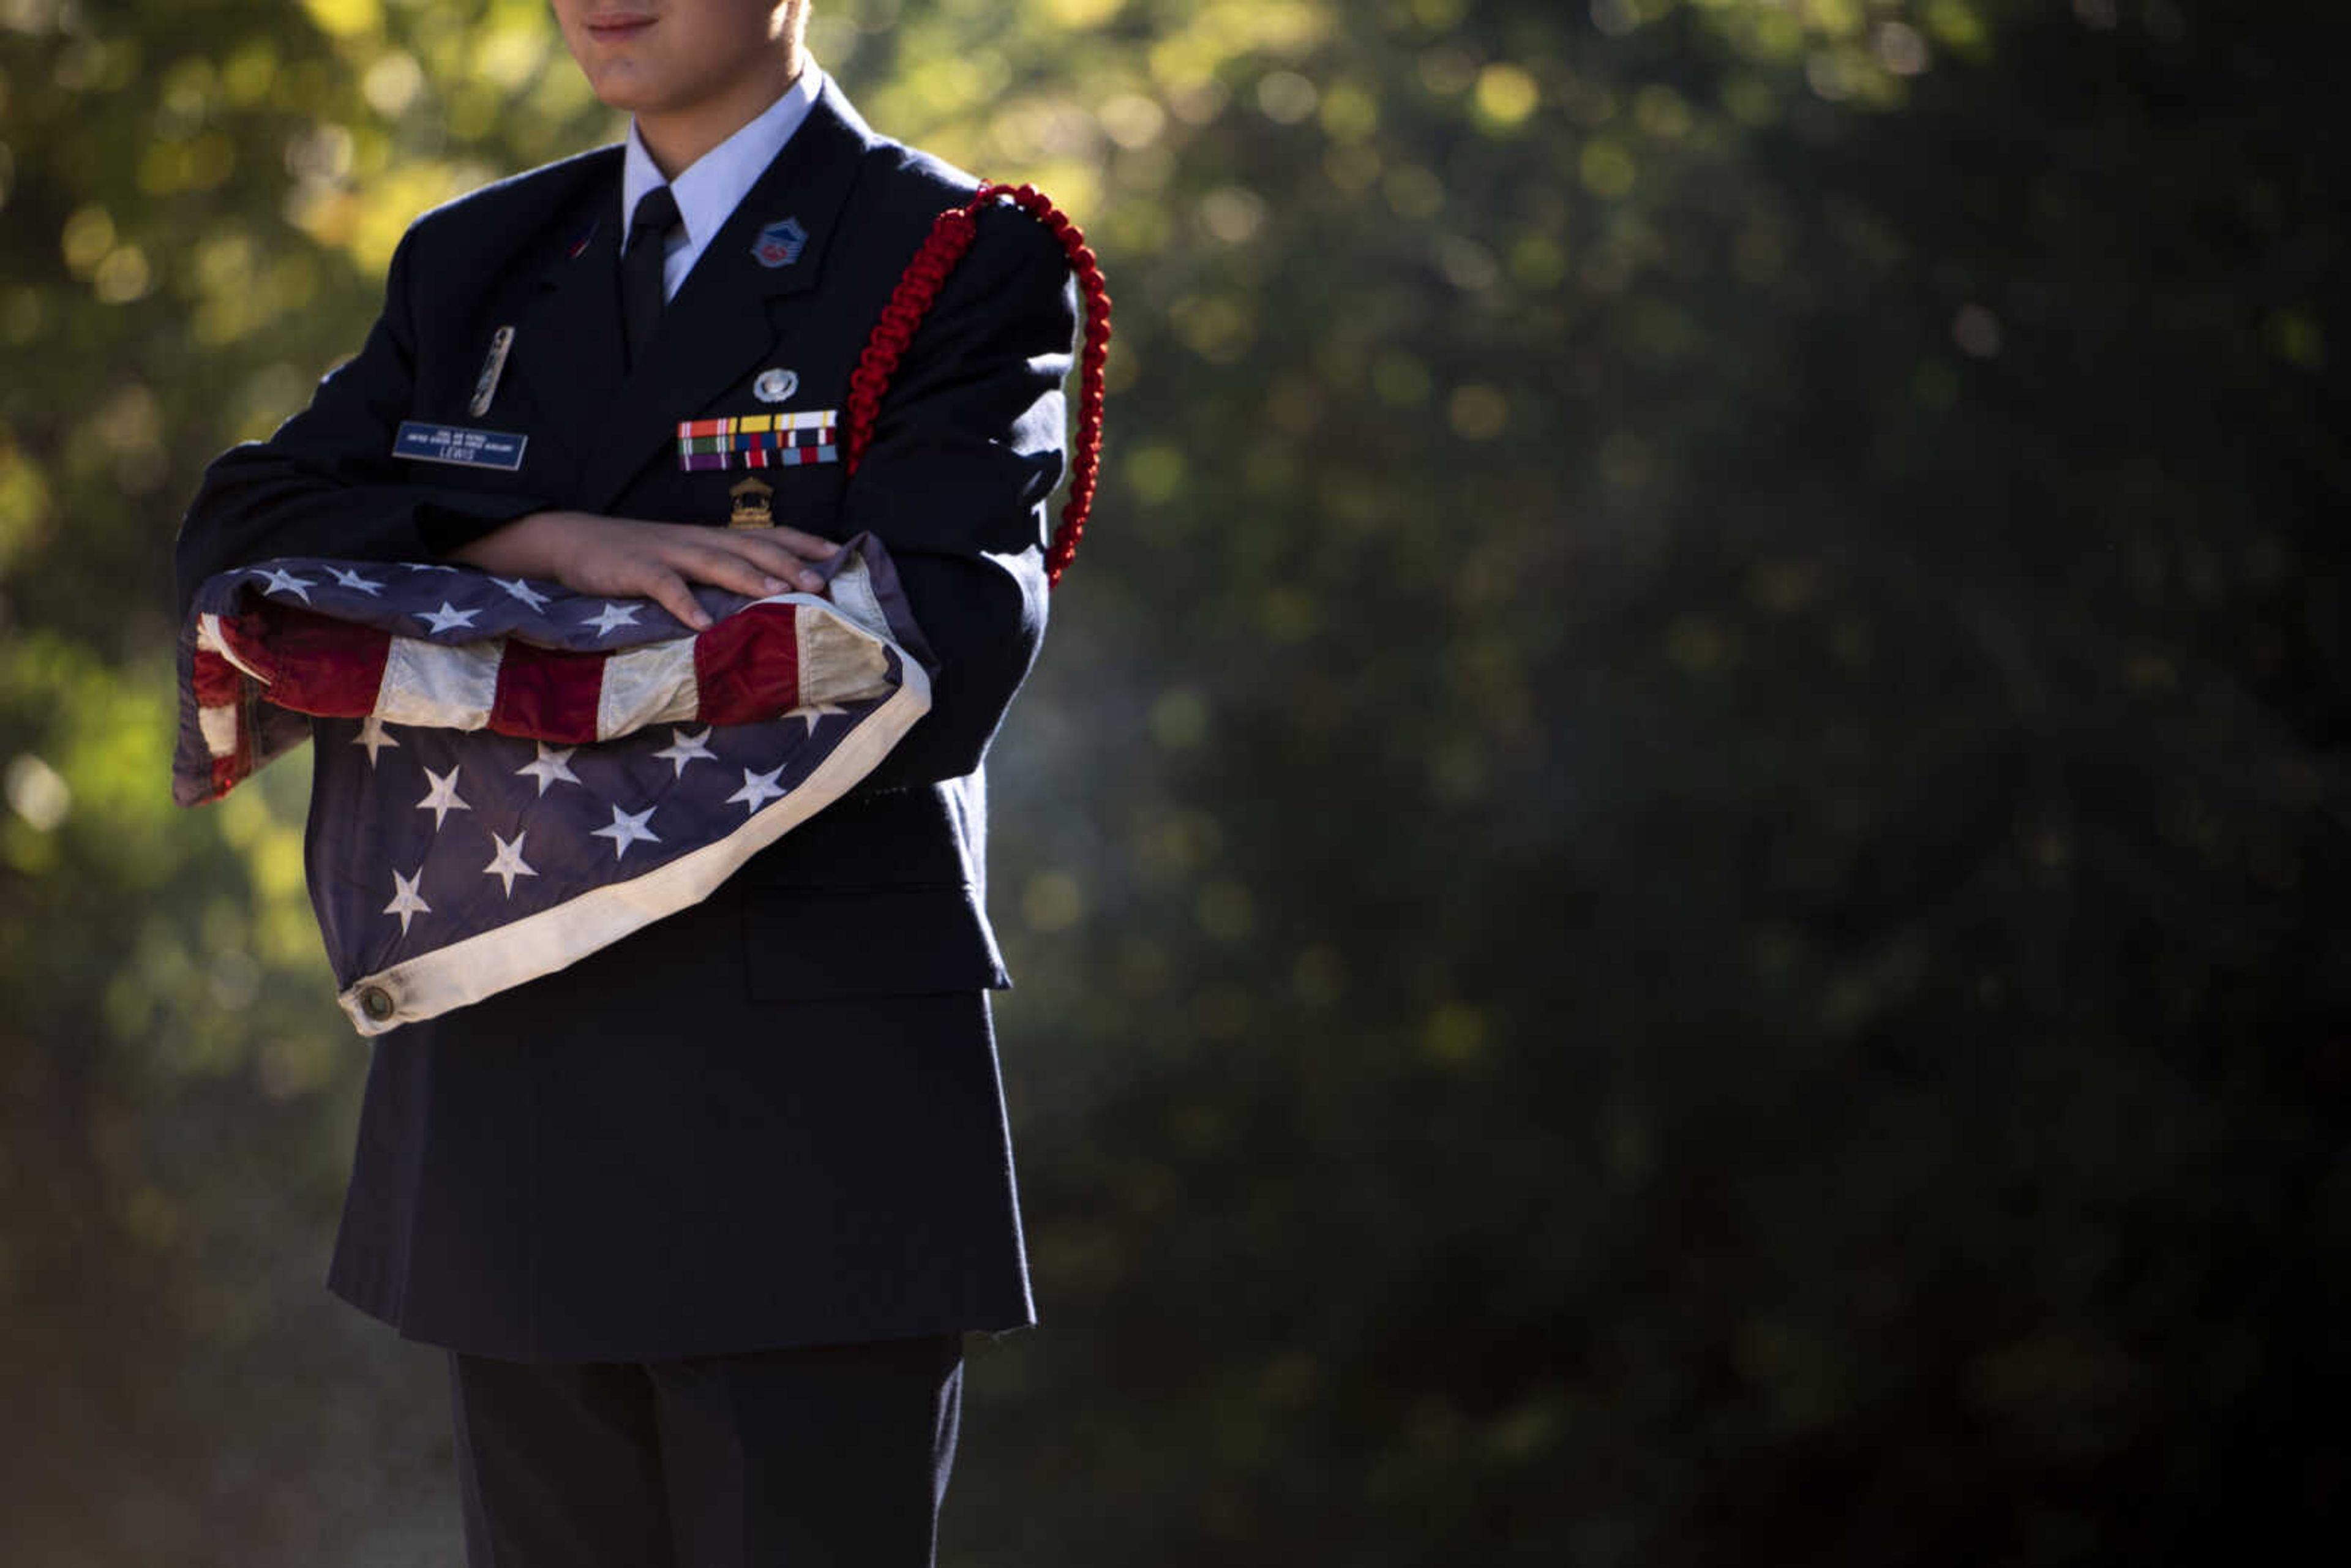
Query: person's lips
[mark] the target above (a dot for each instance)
(620, 27)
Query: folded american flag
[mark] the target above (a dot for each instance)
(510, 776)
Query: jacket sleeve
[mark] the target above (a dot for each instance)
(325, 484)
(967, 452)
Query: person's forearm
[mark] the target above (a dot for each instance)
(526, 547)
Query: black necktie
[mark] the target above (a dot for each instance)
(641, 268)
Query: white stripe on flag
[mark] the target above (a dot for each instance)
(449, 687)
(220, 727)
(839, 664)
(651, 684)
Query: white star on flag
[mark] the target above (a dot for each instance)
(353, 580)
(404, 901)
(442, 799)
(509, 862)
(685, 748)
(614, 615)
(372, 736)
(286, 581)
(552, 766)
(521, 588)
(757, 789)
(443, 619)
(813, 712)
(627, 829)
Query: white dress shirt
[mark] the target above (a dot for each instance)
(708, 191)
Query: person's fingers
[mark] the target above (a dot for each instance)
(657, 560)
(668, 590)
(799, 540)
(784, 567)
(726, 568)
(780, 552)
(808, 546)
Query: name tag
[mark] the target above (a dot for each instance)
(455, 444)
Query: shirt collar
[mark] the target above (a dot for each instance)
(709, 190)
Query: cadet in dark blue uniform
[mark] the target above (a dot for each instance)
(702, 1220)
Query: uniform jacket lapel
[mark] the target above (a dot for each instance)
(568, 356)
(731, 310)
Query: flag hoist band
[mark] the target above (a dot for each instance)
(509, 776)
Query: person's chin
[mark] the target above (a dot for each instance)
(622, 85)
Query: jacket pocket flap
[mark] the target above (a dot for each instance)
(810, 944)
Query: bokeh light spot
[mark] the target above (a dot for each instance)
(1479, 413)
(1400, 380)
(1052, 901)
(345, 18)
(1662, 113)
(1226, 910)
(1233, 213)
(124, 276)
(1155, 473)
(1180, 719)
(1901, 48)
(87, 237)
(1506, 96)
(1606, 168)
(1414, 192)
(392, 83)
(1132, 119)
(1319, 977)
(36, 792)
(1286, 98)
(1349, 112)
(1455, 1033)
(1976, 332)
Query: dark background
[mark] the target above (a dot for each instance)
(1675, 871)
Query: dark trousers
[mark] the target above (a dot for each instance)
(817, 1457)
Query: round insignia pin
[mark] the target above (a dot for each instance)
(775, 386)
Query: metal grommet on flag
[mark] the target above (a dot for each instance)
(950, 237)
(376, 1003)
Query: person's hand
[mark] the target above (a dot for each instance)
(621, 557)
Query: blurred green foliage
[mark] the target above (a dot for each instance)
(1675, 874)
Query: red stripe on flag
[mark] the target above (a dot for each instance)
(219, 683)
(747, 667)
(547, 693)
(316, 663)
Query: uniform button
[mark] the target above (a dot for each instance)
(376, 1002)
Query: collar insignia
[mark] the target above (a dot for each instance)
(780, 243)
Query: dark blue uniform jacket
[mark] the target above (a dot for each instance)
(774, 1118)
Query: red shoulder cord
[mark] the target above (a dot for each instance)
(950, 237)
